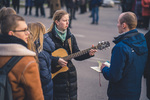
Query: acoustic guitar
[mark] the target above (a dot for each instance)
(64, 55)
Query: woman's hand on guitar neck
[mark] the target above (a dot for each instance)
(92, 51)
(62, 62)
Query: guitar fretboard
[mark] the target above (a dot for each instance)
(78, 53)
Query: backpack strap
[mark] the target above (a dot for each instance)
(11, 63)
(70, 46)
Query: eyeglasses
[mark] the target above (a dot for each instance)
(25, 30)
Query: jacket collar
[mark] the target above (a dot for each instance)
(56, 35)
(125, 36)
(11, 39)
(13, 46)
(15, 50)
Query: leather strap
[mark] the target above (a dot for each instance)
(70, 46)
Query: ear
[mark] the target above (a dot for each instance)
(11, 33)
(124, 25)
(56, 22)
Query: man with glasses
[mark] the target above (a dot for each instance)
(24, 76)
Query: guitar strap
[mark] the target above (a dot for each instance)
(70, 46)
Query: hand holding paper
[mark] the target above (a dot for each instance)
(98, 68)
(105, 64)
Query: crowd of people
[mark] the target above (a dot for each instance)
(142, 10)
(37, 75)
(72, 6)
(32, 79)
(139, 7)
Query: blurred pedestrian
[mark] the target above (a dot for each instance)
(5, 3)
(128, 60)
(146, 13)
(44, 57)
(39, 4)
(1, 4)
(62, 2)
(71, 9)
(24, 76)
(90, 7)
(127, 5)
(83, 6)
(16, 5)
(138, 12)
(54, 5)
(28, 4)
(95, 10)
(48, 3)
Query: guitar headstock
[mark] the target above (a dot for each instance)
(103, 44)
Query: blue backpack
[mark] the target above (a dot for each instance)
(5, 86)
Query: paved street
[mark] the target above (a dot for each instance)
(86, 35)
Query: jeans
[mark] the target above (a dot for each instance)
(95, 14)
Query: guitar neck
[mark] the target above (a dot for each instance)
(79, 53)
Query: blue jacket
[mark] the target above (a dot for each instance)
(128, 61)
(45, 67)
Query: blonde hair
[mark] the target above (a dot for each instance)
(35, 41)
(57, 16)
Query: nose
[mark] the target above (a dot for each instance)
(27, 33)
(67, 22)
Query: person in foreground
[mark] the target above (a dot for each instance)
(128, 60)
(24, 76)
(43, 51)
(147, 69)
(65, 83)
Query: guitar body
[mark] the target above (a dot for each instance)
(58, 69)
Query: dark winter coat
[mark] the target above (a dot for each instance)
(147, 36)
(39, 2)
(65, 84)
(138, 10)
(147, 69)
(70, 3)
(29, 3)
(127, 5)
(128, 60)
(15, 2)
(45, 67)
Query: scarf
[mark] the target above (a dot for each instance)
(61, 34)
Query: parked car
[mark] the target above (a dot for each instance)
(108, 3)
(117, 1)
